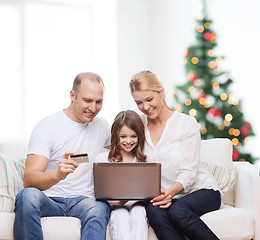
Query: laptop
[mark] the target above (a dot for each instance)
(127, 181)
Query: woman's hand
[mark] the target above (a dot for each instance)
(164, 200)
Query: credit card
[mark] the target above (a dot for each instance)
(80, 158)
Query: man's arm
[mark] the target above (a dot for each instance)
(35, 175)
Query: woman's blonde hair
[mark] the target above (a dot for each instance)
(145, 81)
(132, 120)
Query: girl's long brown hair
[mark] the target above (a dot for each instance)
(132, 120)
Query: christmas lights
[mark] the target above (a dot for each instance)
(236, 132)
(219, 59)
(194, 60)
(228, 117)
(197, 82)
(191, 89)
(215, 85)
(187, 102)
(192, 112)
(211, 53)
(202, 101)
(203, 130)
(212, 64)
(221, 127)
(200, 29)
(234, 141)
(207, 25)
(223, 96)
(230, 131)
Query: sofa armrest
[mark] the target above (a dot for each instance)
(247, 191)
(244, 194)
(256, 205)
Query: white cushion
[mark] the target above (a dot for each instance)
(216, 156)
(230, 223)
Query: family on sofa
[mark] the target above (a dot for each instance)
(57, 185)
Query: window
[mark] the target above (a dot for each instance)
(44, 46)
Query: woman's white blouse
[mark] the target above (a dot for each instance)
(178, 152)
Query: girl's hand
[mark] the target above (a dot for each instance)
(164, 200)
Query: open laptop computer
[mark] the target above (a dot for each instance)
(127, 181)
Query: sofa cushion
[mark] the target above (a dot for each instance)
(230, 223)
(11, 183)
(54, 228)
(61, 228)
(216, 156)
(6, 225)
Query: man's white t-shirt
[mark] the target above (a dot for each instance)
(57, 134)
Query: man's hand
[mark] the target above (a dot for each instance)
(66, 166)
(164, 200)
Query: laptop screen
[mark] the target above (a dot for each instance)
(127, 181)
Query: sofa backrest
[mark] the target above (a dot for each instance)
(217, 151)
(215, 154)
(16, 151)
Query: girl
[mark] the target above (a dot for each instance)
(128, 218)
(173, 139)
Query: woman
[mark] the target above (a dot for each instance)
(128, 218)
(173, 139)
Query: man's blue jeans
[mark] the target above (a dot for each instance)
(31, 204)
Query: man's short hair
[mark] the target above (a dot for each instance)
(86, 76)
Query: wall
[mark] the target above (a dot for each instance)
(155, 34)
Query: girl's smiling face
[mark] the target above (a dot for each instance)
(128, 139)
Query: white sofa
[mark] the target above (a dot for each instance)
(239, 218)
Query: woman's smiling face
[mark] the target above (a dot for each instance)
(149, 102)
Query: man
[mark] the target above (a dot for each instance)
(56, 185)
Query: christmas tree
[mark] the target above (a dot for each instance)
(207, 96)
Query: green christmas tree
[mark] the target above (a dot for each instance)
(207, 96)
